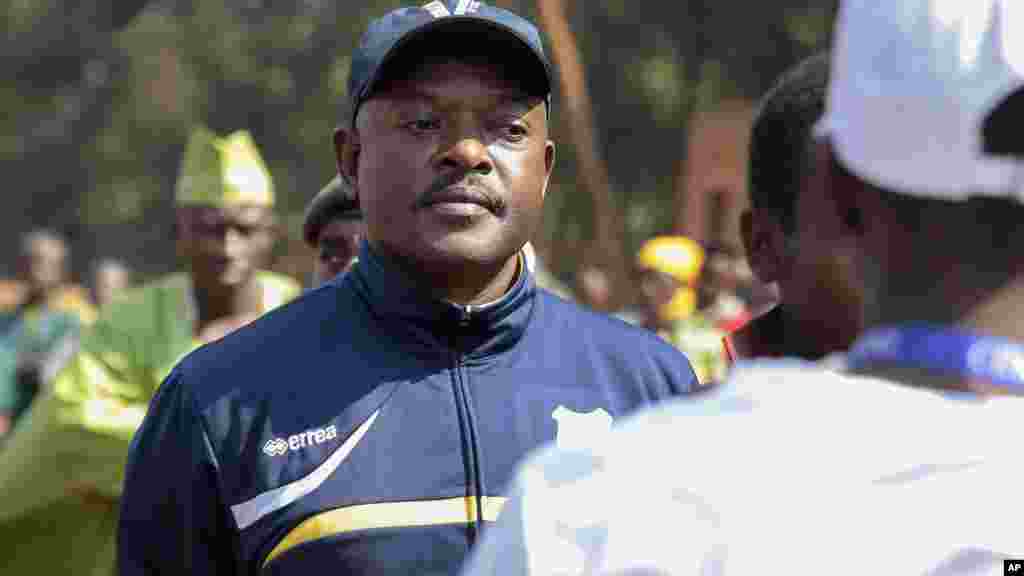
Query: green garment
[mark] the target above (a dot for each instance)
(61, 471)
(31, 340)
(703, 344)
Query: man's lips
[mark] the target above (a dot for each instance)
(454, 197)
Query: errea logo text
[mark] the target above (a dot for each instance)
(280, 446)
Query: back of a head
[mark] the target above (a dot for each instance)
(780, 135)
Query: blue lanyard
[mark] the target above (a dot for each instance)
(945, 350)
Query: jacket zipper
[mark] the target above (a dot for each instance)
(468, 425)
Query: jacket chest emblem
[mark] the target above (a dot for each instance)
(580, 429)
(295, 442)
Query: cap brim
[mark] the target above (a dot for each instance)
(444, 23)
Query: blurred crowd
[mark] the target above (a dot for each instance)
(691, 294)
(41, 314)
(64, 346)
(88, 363)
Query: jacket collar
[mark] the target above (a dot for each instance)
(396, 297)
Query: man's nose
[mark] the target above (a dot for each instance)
(234, 243)
(467, 152)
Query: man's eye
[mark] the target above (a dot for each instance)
(424, 125)
(514, 132)
(211, 228)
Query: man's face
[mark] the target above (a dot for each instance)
(224, 246)
(452, 165)
(110, 280)
(45, 265)
(819, 278)
(337, 247)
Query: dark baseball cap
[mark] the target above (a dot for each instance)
(385, 38)
(335, 201)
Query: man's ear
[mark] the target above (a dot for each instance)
(346, 151)
(549, 164)
(764, 242)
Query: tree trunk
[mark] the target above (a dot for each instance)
(691, 206)
(604, 247)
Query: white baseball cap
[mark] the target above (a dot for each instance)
(912, 84)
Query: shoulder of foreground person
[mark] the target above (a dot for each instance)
(780, 439)
(572, 506)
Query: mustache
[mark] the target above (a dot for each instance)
(464, 179)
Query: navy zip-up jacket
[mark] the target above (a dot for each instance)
(367, 429)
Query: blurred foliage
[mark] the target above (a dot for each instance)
(101, 95)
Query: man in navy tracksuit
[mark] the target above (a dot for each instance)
(373, 425)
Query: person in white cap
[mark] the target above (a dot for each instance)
(906, 460)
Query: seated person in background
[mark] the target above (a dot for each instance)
(333, 226)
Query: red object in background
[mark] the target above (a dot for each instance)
(727, 343)
(730, 352)
(756, 337)
(730, 325)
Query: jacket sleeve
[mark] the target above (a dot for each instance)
(173, 520)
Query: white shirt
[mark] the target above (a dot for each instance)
(789, 468)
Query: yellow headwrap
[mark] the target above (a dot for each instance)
(223, 171)
(682, 259)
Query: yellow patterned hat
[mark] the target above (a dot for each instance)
(677, 256)
(223, 171)
(682, 259)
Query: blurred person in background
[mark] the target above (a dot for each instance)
(671, 286)
(110, 277)
(908, 450)
(333, 226)
(593, 288)
(39, 326)
(544, 277)
(60, 472)
(789, 233)
(722, 289)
